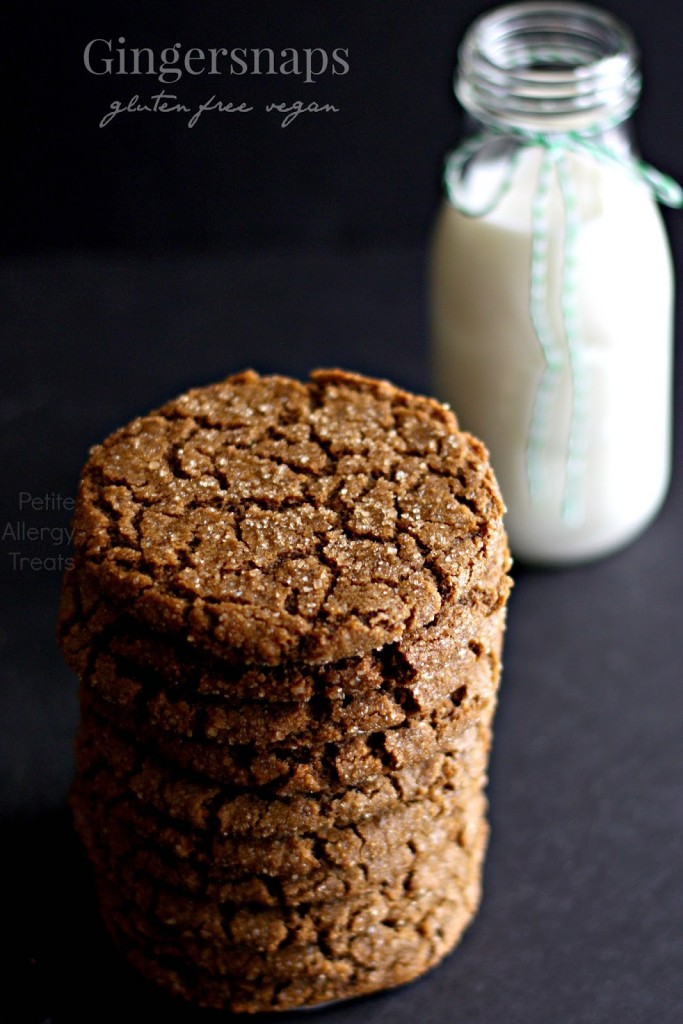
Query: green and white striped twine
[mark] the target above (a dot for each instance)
(556, 146)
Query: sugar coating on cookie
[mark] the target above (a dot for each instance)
(272, 520)
(286, 613)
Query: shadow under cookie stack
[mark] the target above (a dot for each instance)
(286, 613)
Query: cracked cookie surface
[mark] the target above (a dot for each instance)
(272, 520)
(286, 614)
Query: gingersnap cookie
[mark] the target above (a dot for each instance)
(89, 627)
(269, 520)
(376, 954)
(143, 856)
(286, 613)
(227, 928)
(235, 853)
(113, 765)
(285, 770)
(252, 963)
(332, 718)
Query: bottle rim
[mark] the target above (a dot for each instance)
(558, 66)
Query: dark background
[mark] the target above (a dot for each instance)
(368, 175)
(144, 258)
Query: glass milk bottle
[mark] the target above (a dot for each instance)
(551, 285)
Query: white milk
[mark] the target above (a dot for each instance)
(487, 362)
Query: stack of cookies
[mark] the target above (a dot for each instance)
(286, 613)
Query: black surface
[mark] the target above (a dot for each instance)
(582, 919)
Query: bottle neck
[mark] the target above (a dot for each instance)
(548, 68)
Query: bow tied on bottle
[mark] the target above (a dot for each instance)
(556, 150)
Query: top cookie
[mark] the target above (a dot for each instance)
(267, 520)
